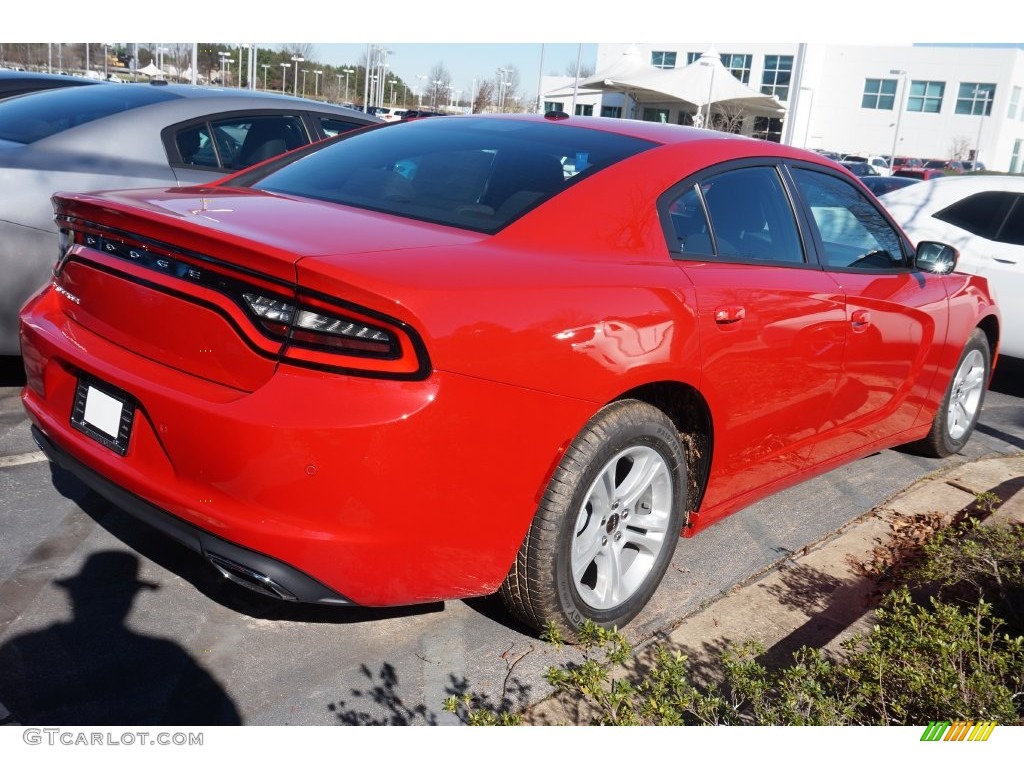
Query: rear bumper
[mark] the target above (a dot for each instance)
(278, 579)
(374, 492)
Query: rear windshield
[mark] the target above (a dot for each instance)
(472, 173)
(35, 116)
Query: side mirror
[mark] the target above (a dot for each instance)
(938, 258)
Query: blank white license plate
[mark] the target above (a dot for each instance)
(103, 412)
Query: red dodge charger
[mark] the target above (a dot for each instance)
(446, 357)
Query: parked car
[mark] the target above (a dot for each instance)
(414, 113)
(878, 163)
(973, 167)
(859, 168)
(946, 166)
(15, 83)
(882, 185)
(920, 174)
(128, 135)
(906, 164)
(983, 217)
(369, 372)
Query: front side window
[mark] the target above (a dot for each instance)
(777, 72)
(878, 94)
(853, 232)
(738, 215)
(925, 96)
(663, 59)
(975, 98)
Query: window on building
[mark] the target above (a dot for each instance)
(663, 59)
(554, 106)
(878, 94)
(775, 80)
(1015, 157)
(611, 111)
(925, 96)
(655, 115)
(975, 98)
(1014, 102)
(739, 65)
(584, 110)
(692, 56)
(768, 128)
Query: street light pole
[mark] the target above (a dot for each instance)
(265, 68)
(984, 109)
(284, 74)
(393, 83)
(347, 73)
(224, 55)
(899, 113)
(316, 82)
(421, 78)
(295, 85)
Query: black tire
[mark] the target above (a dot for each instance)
(958, 414)
(607, 526)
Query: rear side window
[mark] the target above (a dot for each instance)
(36, 116)
(464, 172)
(236, 143)
(750, 215)
(979, 214)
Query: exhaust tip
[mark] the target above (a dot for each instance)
(247, 577)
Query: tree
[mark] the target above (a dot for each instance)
(437, 82)
(728, 117)
(586, 70)
(484, 97)
(959, 148)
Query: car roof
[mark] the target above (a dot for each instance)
(14, 82)
(935, 194)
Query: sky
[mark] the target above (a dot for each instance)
(473, 37)
(466, 61)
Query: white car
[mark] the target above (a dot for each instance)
(880, 164)
(983, 217)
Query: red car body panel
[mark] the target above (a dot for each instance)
(421, 487)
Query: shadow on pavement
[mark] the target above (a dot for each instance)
(191, 567)
(12, 374)
(94, 670)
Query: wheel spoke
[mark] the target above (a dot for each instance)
(585, 549)
(646, 467)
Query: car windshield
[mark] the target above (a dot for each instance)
(466, 172)
(35, 116)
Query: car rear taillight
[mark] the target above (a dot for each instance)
(320, 330)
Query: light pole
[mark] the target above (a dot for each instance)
(433, 98)
(284, 74)
(224, 62)
(316, 82)
(899, 113)
(984, 109)
(347, 73)
(265, 68)
(295, 85)
(304, 82)
(106, 75)
(419, 93)
(392, 83)
(711, 90)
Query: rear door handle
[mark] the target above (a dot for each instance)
(730, 314)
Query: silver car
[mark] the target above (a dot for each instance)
(116, 136)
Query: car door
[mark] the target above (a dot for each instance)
(896, 316)
(771, 324)
(989, 229)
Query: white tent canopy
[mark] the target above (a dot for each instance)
(705, 81)
(150, 70)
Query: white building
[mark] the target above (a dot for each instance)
(917, 101)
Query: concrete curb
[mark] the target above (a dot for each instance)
(824, 594)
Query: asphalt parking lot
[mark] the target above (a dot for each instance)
(103, 621)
